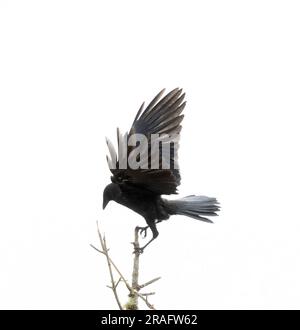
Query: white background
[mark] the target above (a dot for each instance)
(72, 71)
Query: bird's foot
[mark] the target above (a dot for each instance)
(138, 250)
(142, 231)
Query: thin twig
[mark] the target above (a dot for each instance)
(105, 251)
(148, 283)
(115, 267)
(119, 280)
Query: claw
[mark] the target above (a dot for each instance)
(143, 231)
(138, 250)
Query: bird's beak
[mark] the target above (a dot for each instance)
(105, 202)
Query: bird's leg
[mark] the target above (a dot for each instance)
(154, 233)
(142, 230)
(141, 249)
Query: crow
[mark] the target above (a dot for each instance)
(141, 188)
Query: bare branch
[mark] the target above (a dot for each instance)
(110, 263)
(148, 283)
(132, 303)
(91, 245)
(105, 252)
(119, 280)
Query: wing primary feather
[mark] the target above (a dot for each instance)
(118, 137)
(160, 104)
(167, 117)
(167, 126)
(109, 162)
(138, 113)
(153, 102)
(167, 110)
(113, 154)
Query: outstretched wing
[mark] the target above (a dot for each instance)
(160, 120)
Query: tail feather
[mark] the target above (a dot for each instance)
(195, 207)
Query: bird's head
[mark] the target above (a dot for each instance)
(110, 193)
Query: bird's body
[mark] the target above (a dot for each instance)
(148, 205)
(140, 187)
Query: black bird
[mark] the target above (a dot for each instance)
(140, 189)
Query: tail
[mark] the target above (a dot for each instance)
(194, 207)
